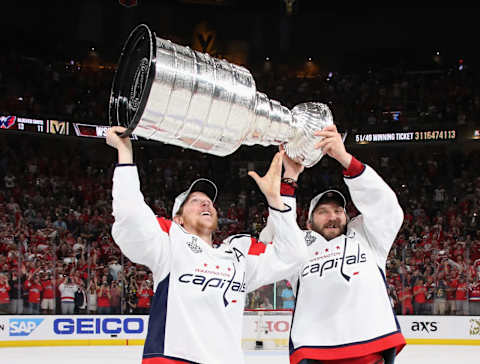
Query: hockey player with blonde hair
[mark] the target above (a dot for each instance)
(197, 311)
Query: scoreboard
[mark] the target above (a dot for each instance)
(410, 136)
(51, 126)
(85, 130)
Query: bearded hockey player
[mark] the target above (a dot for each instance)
(343, 312)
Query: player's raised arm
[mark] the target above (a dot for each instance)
(280, 258)
(381, 213)
(270, 183)
(122, 145)
(291, 174)
(136, 229)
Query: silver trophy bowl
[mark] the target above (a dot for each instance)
(170, 93)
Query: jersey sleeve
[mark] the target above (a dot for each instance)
(267, 233)
(271, 261)
(140, 235)
(381, 214)
(288, 198)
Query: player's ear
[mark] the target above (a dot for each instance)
(178, 219)
(309, 224)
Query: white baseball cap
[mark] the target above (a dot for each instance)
(202, 185)
(328, 195)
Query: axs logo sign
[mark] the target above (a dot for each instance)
(425, 326)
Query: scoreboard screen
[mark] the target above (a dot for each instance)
(411, 136)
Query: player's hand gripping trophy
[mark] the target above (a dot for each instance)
(170, 93)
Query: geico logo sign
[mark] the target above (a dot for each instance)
(97, 326)
(425, 326)
(23, 327)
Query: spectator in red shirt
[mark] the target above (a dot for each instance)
(4, 295)
(34, 289)
(419, 297)
(458, 251)
(461, 296)
(452, 284)
(144, 295)
(405, 297)
(48, 298)
(103, 297)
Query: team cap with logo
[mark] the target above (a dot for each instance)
(326, 196)
(199, 185)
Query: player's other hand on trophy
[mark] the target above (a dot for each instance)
(292, 168)
(270, 183)
(122, 145)
(332, 144)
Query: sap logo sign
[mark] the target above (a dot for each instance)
(66, 326)
(424, 326)
(23, 327)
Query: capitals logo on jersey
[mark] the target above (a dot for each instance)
(6, 122)
(335, 261)
(216, 277)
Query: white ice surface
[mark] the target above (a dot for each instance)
(412, 354)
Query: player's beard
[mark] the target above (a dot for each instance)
(328, 233)
(202, 225)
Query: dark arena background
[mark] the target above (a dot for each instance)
(403, 83)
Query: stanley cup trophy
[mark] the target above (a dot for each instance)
(170, 93)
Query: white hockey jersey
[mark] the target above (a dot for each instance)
(342, 306)
(67, 292)
(197, 310)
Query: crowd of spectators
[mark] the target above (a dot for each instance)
(434, 266)
(78, 90)
(57, 254)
